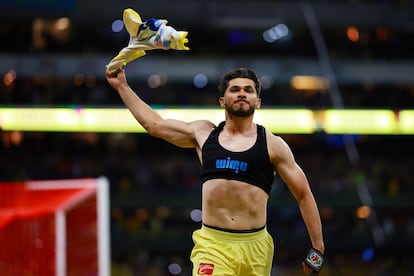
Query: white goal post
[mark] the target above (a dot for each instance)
(72, 214)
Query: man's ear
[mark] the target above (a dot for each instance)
(259, 102)
(222, 102)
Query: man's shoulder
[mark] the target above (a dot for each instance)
(276, 143)
(201, 125)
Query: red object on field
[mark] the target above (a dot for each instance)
(48, 229)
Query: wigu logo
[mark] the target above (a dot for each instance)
(234, 165)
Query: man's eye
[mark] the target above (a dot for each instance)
(248, 89)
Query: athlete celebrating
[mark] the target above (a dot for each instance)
(238, 161)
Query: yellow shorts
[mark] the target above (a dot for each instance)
(224, 253)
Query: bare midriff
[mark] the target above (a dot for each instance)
(233, 205)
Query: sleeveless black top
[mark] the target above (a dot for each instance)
(251, 166)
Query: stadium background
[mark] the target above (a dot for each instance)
(53, 53)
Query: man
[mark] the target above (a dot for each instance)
(238, 161)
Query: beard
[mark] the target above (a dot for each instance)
(240, 112)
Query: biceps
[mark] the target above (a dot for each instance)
(176, 132)
(295, 179)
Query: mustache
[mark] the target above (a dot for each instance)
(242, 100)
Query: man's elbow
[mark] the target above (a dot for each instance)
(304, 196)
(153, 129)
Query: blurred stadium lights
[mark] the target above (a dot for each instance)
(368, 254)
(280, 69)
(62, 24)
(200, 80)
(363, 212)
(174, 269)
(117, 26)
(196, 215)
(9, 78)
(406, 121)
(276, 33)
(157, 80)
(290, 121)
(352, 33)
(154, 81)
(49, 31)
(310, 83)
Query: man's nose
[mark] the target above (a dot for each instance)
(242, 93)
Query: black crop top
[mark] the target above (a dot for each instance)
(251, 166)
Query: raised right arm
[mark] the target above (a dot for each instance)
(177, 132)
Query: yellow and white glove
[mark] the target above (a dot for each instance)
(148, 35)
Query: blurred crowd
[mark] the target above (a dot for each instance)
(155, 187)
(90, 90)
(365, 200)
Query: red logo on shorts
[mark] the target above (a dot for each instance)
(205, 269)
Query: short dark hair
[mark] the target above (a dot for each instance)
(239, 73)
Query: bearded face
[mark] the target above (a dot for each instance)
(240, 98)
(240, 108)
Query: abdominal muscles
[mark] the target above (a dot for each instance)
(233, 204)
